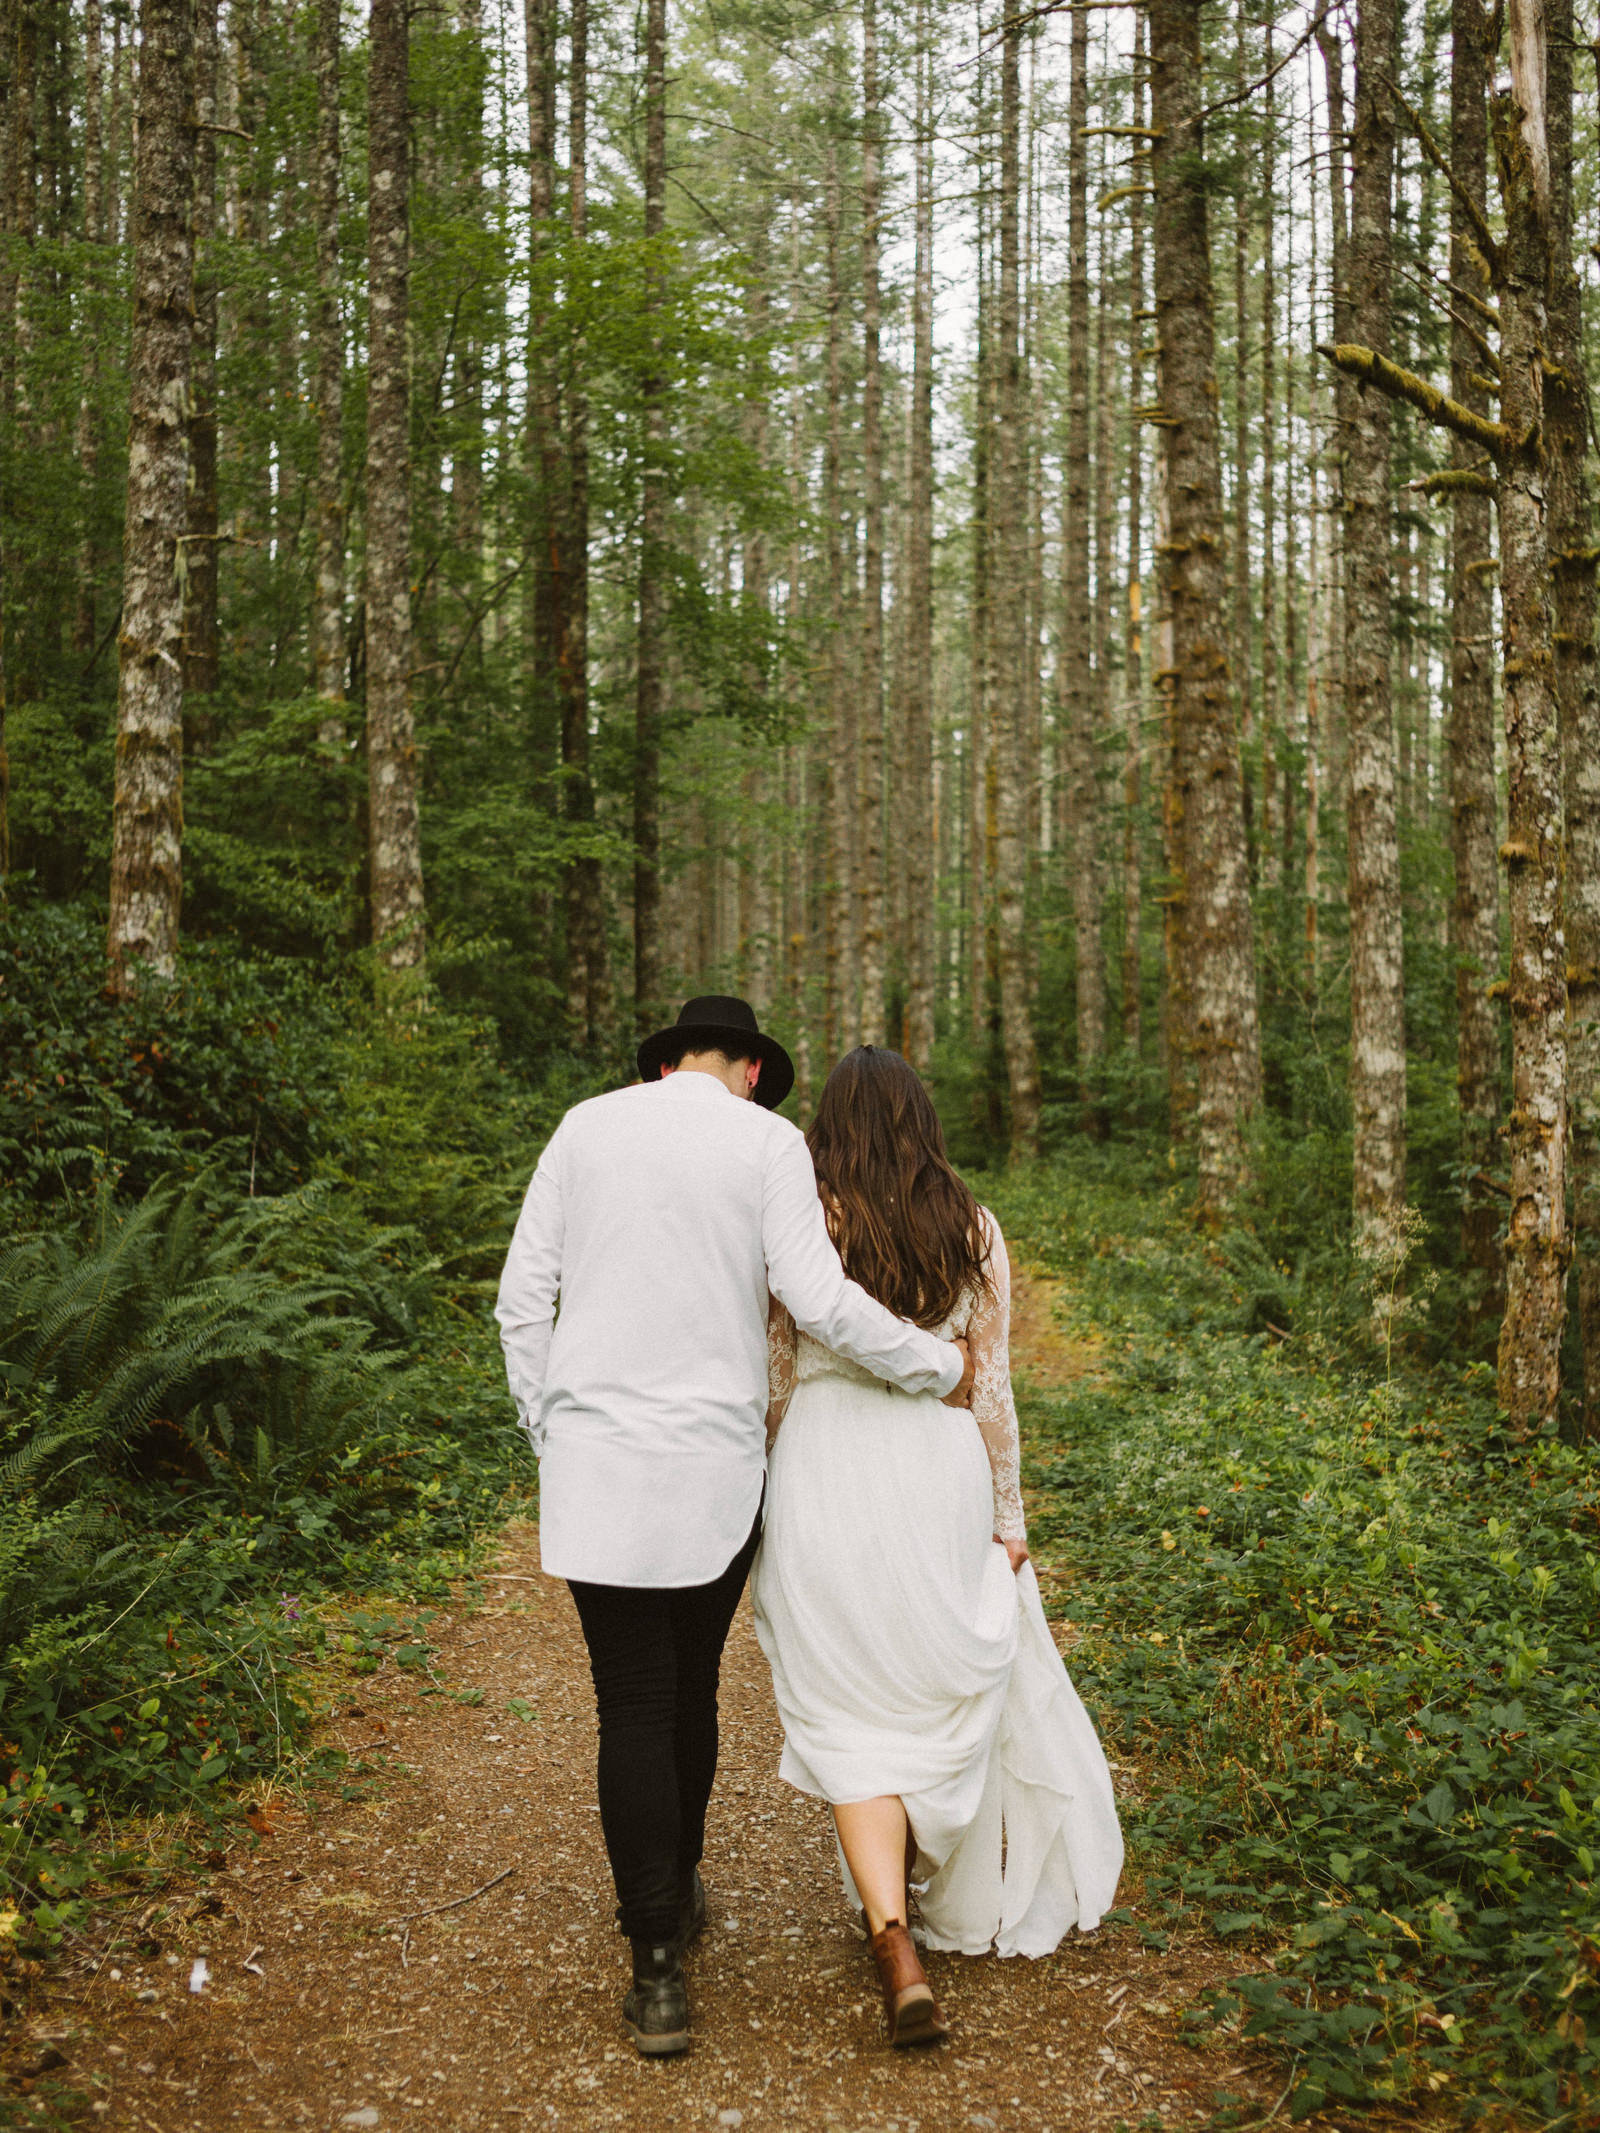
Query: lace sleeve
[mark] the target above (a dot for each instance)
(781, 1339)
(993, 1408)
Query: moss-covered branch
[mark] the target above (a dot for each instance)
(1454, 481)
(1369, 368)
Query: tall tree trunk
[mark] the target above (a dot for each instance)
(17, 214)
(840, 990)
(540, 526)
(1076, 622)
(1573, 559)
(1212, 888)
(327, 607)
(1011, 854)
(1243, 617)
(920, 830)
(651, 676)
(976, 875)
(869, 842)
(86, 430)
(1097, 1118)
(1319, 601)
(1133, 675)
(1269, 857)
(1377, 993)
(762, 867)
(147, 810)
(1475, 901)
(202, 640)
(588, 987)
(395, 846)
(466, 448)
(1537, 1244)
(1344, 392)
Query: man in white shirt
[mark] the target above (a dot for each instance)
(661, 1215)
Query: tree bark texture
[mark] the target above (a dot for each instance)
(1377, 996)
(1009, 602)
(327, 606)
(840, 963)
(202, 640)
(869, 842)
(1537, 1243)
(1076, 618)
(1268, 857)
(1211, 888)
(1243, 620)
(541, 463)
(1475, 901)
(1097, 1116)
(147, 810)
(1573, 559)
(919, 808)
(980, 873)
(588, 987)
(1133, 671)
(394, 830)
(650, 675)
(86, 429)
(1344, 398)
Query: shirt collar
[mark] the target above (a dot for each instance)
(689, 1080)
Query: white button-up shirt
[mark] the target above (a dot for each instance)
(661, 1215)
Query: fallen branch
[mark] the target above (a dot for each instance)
(509, 1577)
(1369, 368)
(455, 1902)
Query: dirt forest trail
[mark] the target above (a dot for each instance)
(324, 2010)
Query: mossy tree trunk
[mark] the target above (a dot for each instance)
(147, 810)
(1213, 928)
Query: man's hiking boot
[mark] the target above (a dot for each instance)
(691, 1908)
(656, 2010)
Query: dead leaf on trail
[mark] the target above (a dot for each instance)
(259, 1822)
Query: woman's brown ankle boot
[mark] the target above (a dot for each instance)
(910, 2009)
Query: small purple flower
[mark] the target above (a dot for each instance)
(289, 1603)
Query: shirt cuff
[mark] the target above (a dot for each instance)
(954, 1371)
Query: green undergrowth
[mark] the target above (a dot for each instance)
(250, 1224)
(1343, 1625)
(213, 1417)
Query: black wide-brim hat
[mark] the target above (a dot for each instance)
(718, 1021)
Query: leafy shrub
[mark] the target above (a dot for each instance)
(1346, 1626)
(233, 1065)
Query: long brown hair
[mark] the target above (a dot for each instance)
(906, 1226)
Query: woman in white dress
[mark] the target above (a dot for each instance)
(919, 1687)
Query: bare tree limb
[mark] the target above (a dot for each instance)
(1441, 163)
(1241, 96)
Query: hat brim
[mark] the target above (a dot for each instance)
(777, 1068)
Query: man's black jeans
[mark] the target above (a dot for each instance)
(656, 1656)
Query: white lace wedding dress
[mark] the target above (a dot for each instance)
(907, 1658)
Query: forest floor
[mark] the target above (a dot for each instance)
(330, 2003)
